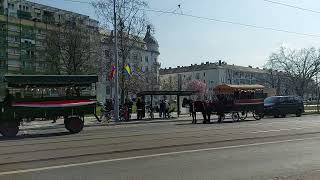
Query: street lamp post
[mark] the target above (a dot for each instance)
(116, 79)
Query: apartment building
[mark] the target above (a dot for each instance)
(24, 29)
(213, 74)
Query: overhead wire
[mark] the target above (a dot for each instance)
(292, 6)
(223, 21)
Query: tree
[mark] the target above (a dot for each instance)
(198, 86)
(131, 23)
(169, 84)
(71, 49)
(299, 66)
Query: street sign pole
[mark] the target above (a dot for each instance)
(116, 79)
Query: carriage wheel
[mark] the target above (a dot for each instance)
(9, 129)
(257, 116)
(235, 116)
(74, 124)
(243, 115)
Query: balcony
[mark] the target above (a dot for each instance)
(14, 56)
(27, 57)
(1, 10)
(28, 35)
(48, 19)
(27, 46)
(14, 44)
(23, 14)
(3, 33)
(3, 55)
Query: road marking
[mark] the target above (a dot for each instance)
(149, 156)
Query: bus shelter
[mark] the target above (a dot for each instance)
(167, 93)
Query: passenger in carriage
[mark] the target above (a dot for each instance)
(8, 100)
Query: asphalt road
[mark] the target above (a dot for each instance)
(265, 149)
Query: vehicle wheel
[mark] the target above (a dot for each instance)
(73, 124)
(9, 129)
(299, 113)
(243, 115)
(235, 116)
(276, 113)
(257, 116)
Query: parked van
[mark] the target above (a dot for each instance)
(280, 106)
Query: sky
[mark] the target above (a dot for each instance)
(186, 40)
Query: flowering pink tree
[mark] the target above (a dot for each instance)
(198, 86)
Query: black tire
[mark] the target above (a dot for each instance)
(276, 114)
(299, 113)
(243, 115)
(9, 129)
(73, 124)
(235, 116)
(257, 116)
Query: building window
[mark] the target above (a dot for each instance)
(146, 59)
(198, 76)
(11, 6)
(155, 59)
(204, 74)
(107, 53)
(19, 6)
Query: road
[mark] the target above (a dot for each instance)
(265, 149)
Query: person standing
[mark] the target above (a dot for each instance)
(139, 109)
(161, 109)
(192, 112)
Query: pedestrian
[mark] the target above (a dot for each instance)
(139, 108)
(166, 109)
(161, 109)
(192, 112)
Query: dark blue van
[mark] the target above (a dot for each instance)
(280, 106)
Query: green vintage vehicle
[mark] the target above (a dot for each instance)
(47, 97)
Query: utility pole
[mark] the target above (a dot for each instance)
(317, 93)
(116, 79)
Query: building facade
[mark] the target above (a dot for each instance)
(213, 74)
(143, 59)
(24, 29)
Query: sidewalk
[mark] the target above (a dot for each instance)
(92, 121)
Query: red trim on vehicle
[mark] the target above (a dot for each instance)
(62, 103)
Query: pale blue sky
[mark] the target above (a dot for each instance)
(184, 40)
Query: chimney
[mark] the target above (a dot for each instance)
(169, 67)
(207, 62)
(220, 63)
(202, 63)
(178, 66)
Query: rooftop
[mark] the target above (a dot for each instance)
(208, 66)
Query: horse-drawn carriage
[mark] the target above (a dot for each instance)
(239, 101)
